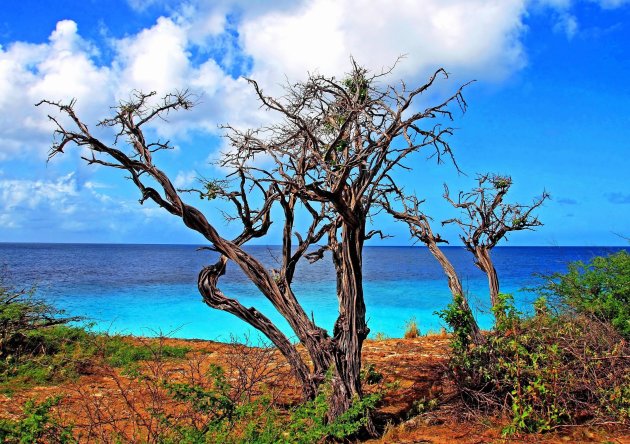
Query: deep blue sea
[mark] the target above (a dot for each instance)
(151, 289)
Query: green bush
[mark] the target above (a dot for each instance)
(25, 321)
(37, 425)
(599, 288)
(39, 346)
(542, 371)
(230, 420)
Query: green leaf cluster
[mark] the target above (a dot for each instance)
(36, 425)
(600, 288)
(548, 369)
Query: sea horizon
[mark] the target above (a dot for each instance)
(144, 289)
(279, 245)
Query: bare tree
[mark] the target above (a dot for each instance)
(333, 153)
(486, 219)
(420, 229)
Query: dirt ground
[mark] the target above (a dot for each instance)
(103, 399)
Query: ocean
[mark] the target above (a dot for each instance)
(151, 289)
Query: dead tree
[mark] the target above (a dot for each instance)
(486, 219)
(420, 229)
(131, 152)
(333, 151)
(337, 145)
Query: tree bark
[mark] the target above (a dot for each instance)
(484, 262)
(314, 338)
(213, 297)
(350, 329)
(455, 285)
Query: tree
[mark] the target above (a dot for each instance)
(486, 219)
(21, 314)
(333, 153)
(420, 229)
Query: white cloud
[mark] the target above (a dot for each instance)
(196, 46)
(185, 179)
(467, 37)
(64, 203)
(31, 194)
(474, 37)
(567, 24)
(58, 70)
(156, 59)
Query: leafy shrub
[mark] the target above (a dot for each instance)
(37, 425)
(230, 420)
(599, 288)
(371, 376)
(308, 422)
(38, 346)
(25, 320)
(544, 370)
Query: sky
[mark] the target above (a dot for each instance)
(549, 105)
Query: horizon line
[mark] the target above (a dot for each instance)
(280, 245)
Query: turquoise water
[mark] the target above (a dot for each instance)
(151, 289)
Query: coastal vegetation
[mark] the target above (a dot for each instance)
(40, 345)
(560, 368)
(334, 155)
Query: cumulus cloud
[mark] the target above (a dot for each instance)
(60, 69)
(197, 47)
(473, 37)
(155, 59)
(63, 203)
(202, 45)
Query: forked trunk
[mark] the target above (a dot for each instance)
(212, 296)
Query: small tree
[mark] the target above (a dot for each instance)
(486, 219)
(333, 154)
(21, 313)
(420, 229)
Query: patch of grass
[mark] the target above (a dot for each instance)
(380, 336)
(39, 347)
(120, 352)
(411, 329)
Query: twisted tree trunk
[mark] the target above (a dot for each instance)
(350, 329)
(455, 285)
(484, 262)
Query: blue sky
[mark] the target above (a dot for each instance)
(549, 107)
